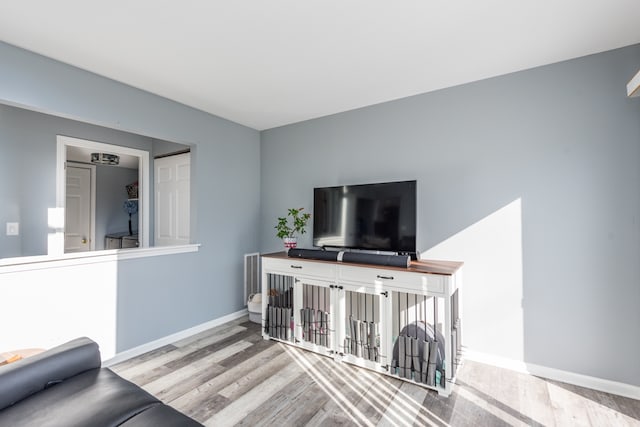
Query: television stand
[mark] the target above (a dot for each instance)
(402, 322)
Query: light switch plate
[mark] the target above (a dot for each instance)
(13, 228)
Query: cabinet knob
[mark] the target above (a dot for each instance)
(84, 241)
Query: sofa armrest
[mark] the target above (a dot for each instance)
(25, 377)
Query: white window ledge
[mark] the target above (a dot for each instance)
(10, 265)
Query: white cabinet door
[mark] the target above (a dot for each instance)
(172, 200)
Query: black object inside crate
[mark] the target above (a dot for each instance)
(414, 356)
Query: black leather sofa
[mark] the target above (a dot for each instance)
(66, 386)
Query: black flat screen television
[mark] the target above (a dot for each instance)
(380, 217)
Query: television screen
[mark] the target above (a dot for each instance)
(379, 217)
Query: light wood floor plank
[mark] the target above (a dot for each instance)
(201, 338)
(601, 408)
(377, 396)
(344, 390)
(194, 355)
(203, 401)
(275, 410)
(136, 372)
(172, 385)
(257, 375)
(257, 348)
(437, 409)
(534, 400)
(568, 408)
(241, 407)
(627, 406)
(138, 360)
(405, 406)
(229, 375)
(303, 408)
(474, 399)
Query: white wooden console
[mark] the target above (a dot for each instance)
(403, 322)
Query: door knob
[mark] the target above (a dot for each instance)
(84, 241)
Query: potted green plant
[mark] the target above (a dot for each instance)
(288, 226)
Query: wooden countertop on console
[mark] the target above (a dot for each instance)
(423, 266)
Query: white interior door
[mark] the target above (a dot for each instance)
(79, 208)
(172, 199)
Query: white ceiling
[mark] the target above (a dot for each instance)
(269, 63)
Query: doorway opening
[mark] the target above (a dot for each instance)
(80, 150)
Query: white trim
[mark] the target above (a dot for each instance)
(633, 87)
(144, 188)
(11, 265)
(92, 220)
(600, 384)
(143, 180)
(169, 339)
(55, 244)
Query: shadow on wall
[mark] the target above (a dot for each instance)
(492, 292)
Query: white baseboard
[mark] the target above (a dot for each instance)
(600, 384)
(141, 349)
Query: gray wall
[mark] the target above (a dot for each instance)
(28, 142)
(161, 295)
(530, 178)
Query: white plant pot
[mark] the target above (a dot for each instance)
(290, 242)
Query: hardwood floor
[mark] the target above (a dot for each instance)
(229, 375)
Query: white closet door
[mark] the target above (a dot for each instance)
(172, 199)
(79, 205)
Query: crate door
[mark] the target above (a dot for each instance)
(362, 334)
(280, 296)
(418, 344)
(314, 310)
